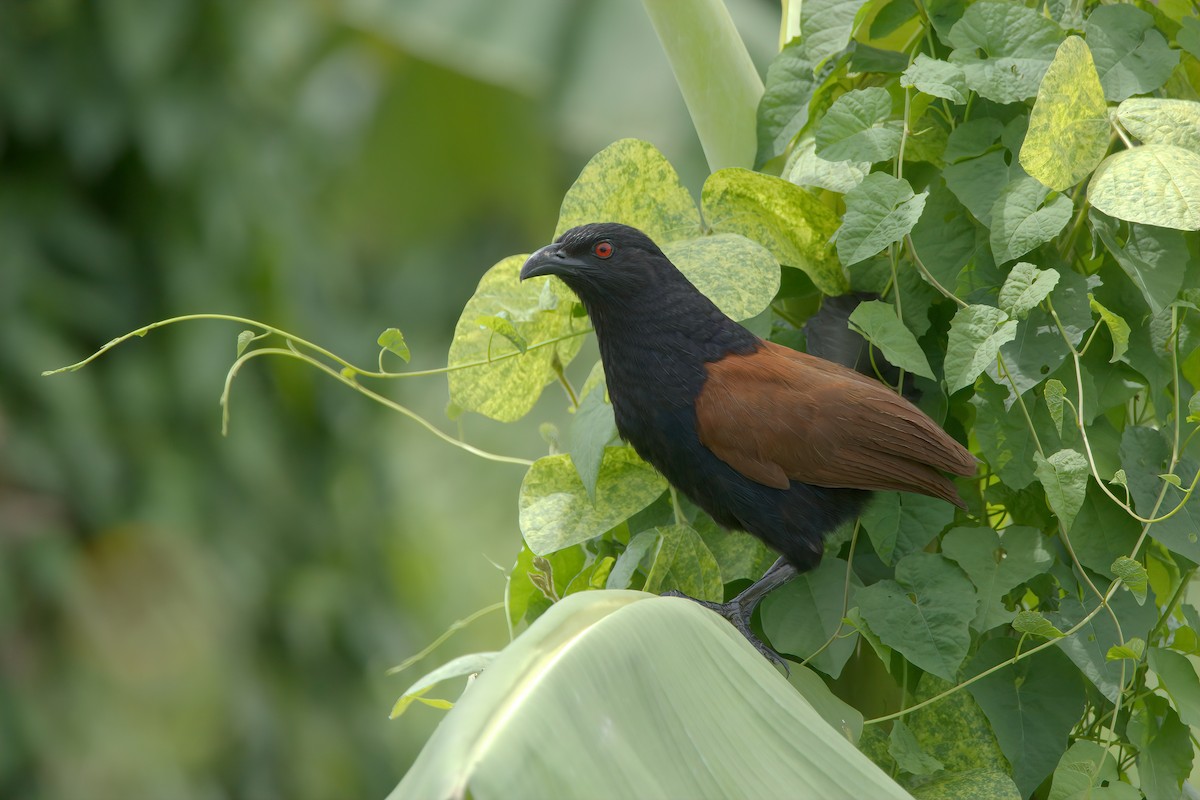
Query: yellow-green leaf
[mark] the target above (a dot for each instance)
(1156, 120)
(1034, 624)
(1133, 575)
(737, 274)
(1156, 184)
(1133, 649)
(1117, 326)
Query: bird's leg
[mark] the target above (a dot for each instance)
(740, 609)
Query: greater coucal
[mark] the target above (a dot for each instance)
(767, 440)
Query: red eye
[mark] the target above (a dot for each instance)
(602, 249)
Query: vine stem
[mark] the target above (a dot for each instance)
(845, 597)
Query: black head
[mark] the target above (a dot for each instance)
(603, 260)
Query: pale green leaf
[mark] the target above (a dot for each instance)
(1034, 624)
(1004, 49)
(501, 325)
(1133, 575)
(976, 334)
(554, 509)
(1155, 259)
(1131, 650)
(1117, 326)
(463, 665)
(1064, 477)
(392, 340)
(1131, 56)
(1055, 393)
(1177, 675)
(1025, 287)
(859, 127)
(1020, 222)
(1087, 771)
(737, 274)
(1068, 127)
(827, 25)
(878, 323)
(905, 748)
(1156, 184)
(997, 564)
(805, 168)
(1156, 120)
(246, 337)
(684, 563)
(787, 220)
(783, 109)
(879, 211)
(936, 78)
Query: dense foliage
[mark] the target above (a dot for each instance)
(1020, 188)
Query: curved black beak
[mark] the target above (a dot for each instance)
(550, 260)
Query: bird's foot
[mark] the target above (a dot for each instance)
(738, 616)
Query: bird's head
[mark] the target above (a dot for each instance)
(602, 260)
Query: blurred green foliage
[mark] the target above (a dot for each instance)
(183, 615)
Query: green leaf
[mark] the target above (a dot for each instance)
(1155, 184)
(1131, 57)
(1089, 647)
(1189, 35)
(1132, 650)
(1133, 575)
(739, 555)
(936, 78)
(1025, 287)
(858, 127)
(994, 784)
(684, 563)
(246, 337)
(827, 25)
(1156, 120)
(1087, 771)
(790, 222)
(1144, 454)
(592, 429)
(997, 564)
(805, 168)
(739, 275)
(501, 325)
(1064, 476)
(977, 182)
(555, 511)
(651, 667)
(463, 665)
(800, 616)
(1054, 393)
(899, 523)
(907, 751)
(924, 613)
(1032, 705)
(976, 335)
(973, 138)
(1117, 326)
(945, 237)
(636, 557)
(783, 109)
(1034, 624)
(1177, 675)
(505, 384)
(1194, 408)
(1020, 221)
(879, 211)
(631, 182)
(842, 717)
(1004, 49)
(1068, 127)
(1154, 259)
(878, 323)
(955, 731)
(1165, 748)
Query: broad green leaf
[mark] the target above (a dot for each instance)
(1117, 326)
(739, 555)
(1102, 531)
(1054, 394)
(1165, 748)
(1087, 771)
(1068, 127)
(878, 323)
(790, 222)
(737, 274)
(1004, 435)
(976, 335)
(936, 78)
(716, 76)
(1034, 624)
(805, 168)
(827, 25)
(1156, 120)
(1032, 705)
(463, 665)
(1131, 57)
(955, 731)
(973, 138)
(504, 384)
(1189, 35)
(501, 325)
(1177, 675)
(1144, 456)
(392, 340)
(905, 748)
(636, 557)
(1133, 575)
(1064, 476)
(859, 127)
(1089, 647)
(1036, 350)
(994, 784)
(631, 182)
(1156, 184)
(1020, 222)
(654, 666)
(554, 508)
(977, 182)
(899, 523)
(997, 564)
(879, 211)
(783, 110)
(1004, 49)
(945, 237)
(1153, 258)
(800, 616)
(924, 613)
(592, 430)
(1131, 650)
(1025, 287)
(683, 562)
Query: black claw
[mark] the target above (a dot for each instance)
(737, 615)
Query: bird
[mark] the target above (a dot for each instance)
(765, 439)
